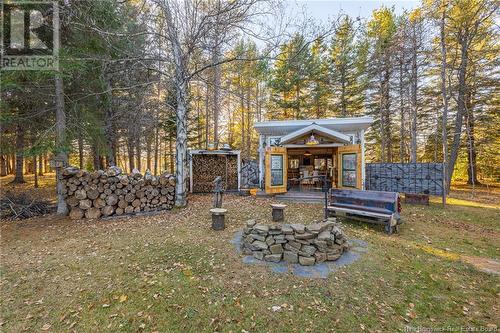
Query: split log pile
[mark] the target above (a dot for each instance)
(207, 167)
(110, 192)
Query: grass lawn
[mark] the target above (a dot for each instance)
(172, 273)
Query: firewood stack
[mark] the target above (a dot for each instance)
(110, 192)
(207, 167)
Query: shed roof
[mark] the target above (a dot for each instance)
(284, 127)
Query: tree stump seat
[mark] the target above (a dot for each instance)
(218, 218)
(278, 212)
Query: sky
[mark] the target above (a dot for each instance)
(322, 10)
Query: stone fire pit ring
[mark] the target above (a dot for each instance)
(306, 245)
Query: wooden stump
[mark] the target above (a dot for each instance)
(417, 199)
(218, 218)
(278, 212)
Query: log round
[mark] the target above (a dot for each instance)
(93, 213)
(76, 213)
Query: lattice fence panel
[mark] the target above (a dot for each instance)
(418, 178)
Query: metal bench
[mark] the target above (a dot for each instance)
(367, 206)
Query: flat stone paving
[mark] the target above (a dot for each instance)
(317, 271)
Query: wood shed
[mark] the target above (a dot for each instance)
(205, 165)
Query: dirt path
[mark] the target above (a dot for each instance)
(483, 264)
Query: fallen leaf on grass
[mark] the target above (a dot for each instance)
(122, 298)
(46, 327)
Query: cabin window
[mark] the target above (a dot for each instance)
(276, 170)
(349, 162)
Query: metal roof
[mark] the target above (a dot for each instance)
(284, 127)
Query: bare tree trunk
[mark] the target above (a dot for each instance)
(109, 126)
(62, 155)
(157, 143)
(10, 159)
(248, 130)
(207, 117)
(148, 152)
(382, 123)
(258, 107)
(216, 91)
(80, 149)
(297, 101)
(3, 166)
(414, 97)
(139, 153)
(46, 165)
(387, 105)
(343, 104)
(96, 159)
(40, 165)
(444, 96)
(472, 153)
(402, 111)
(242, 125)
(199, 133)
(462, 92)
(171, 154)
(130, 153)
(35, 171)
(19, 177)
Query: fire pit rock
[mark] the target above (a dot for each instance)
(296, 243)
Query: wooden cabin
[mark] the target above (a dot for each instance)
(296, 155)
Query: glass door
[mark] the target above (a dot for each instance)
(275, 170)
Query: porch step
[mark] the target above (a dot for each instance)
(301, 198)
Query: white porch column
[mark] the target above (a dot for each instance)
(362, 138)
(261, 161)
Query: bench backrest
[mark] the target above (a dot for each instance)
(369, 199)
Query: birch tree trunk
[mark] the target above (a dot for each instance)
(181, 142)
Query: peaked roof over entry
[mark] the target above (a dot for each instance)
(315, 128)
(284, 127)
